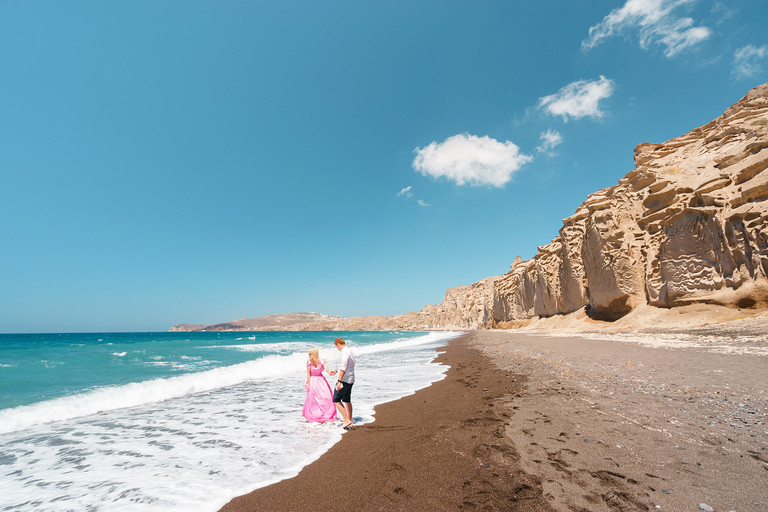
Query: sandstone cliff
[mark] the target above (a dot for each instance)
(687, 225)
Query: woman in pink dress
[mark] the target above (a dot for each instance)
(318, 406)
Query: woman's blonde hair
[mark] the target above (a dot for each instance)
(314, 356)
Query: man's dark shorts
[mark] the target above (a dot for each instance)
(344, 394)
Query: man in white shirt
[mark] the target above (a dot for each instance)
(342, 397)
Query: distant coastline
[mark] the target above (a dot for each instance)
(306, 322)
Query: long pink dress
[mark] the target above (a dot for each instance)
(318, 406)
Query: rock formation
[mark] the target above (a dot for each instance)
(464, 307)
(687, 225)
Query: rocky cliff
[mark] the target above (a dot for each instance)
(687, 225)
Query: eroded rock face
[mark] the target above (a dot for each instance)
(687, 225)
(464, 307)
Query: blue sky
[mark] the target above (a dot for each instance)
(199, 162)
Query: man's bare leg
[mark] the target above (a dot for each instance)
(343, 411)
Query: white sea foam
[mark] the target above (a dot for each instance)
(427, 339)
(284, 347)
(191, 454)
(119, 354)
(140, 393)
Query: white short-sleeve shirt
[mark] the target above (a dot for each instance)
(347, 363)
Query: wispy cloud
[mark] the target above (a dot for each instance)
(748, 61)
(471, 159)
(405, 192)
(422, 203)
(578, 99)
(722, 12)
(550, 138)
(656, 22)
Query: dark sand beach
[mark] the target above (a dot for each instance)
(526, 422)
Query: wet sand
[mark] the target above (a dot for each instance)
(528, 422)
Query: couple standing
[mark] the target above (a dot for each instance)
(319, 405)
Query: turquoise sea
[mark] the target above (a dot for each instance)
(178, 421)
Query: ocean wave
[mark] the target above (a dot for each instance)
(111, 398)
(431, 337)
(285, 347)
(141, 393)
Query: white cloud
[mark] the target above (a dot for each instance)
(470, 159)
(578, 99)
(551, 139)
(422, 203)
(405, 192)
(656, 23)
(748, 61)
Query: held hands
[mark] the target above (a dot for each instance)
(333, 372)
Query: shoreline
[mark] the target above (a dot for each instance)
(538, 422)
(442, 448)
